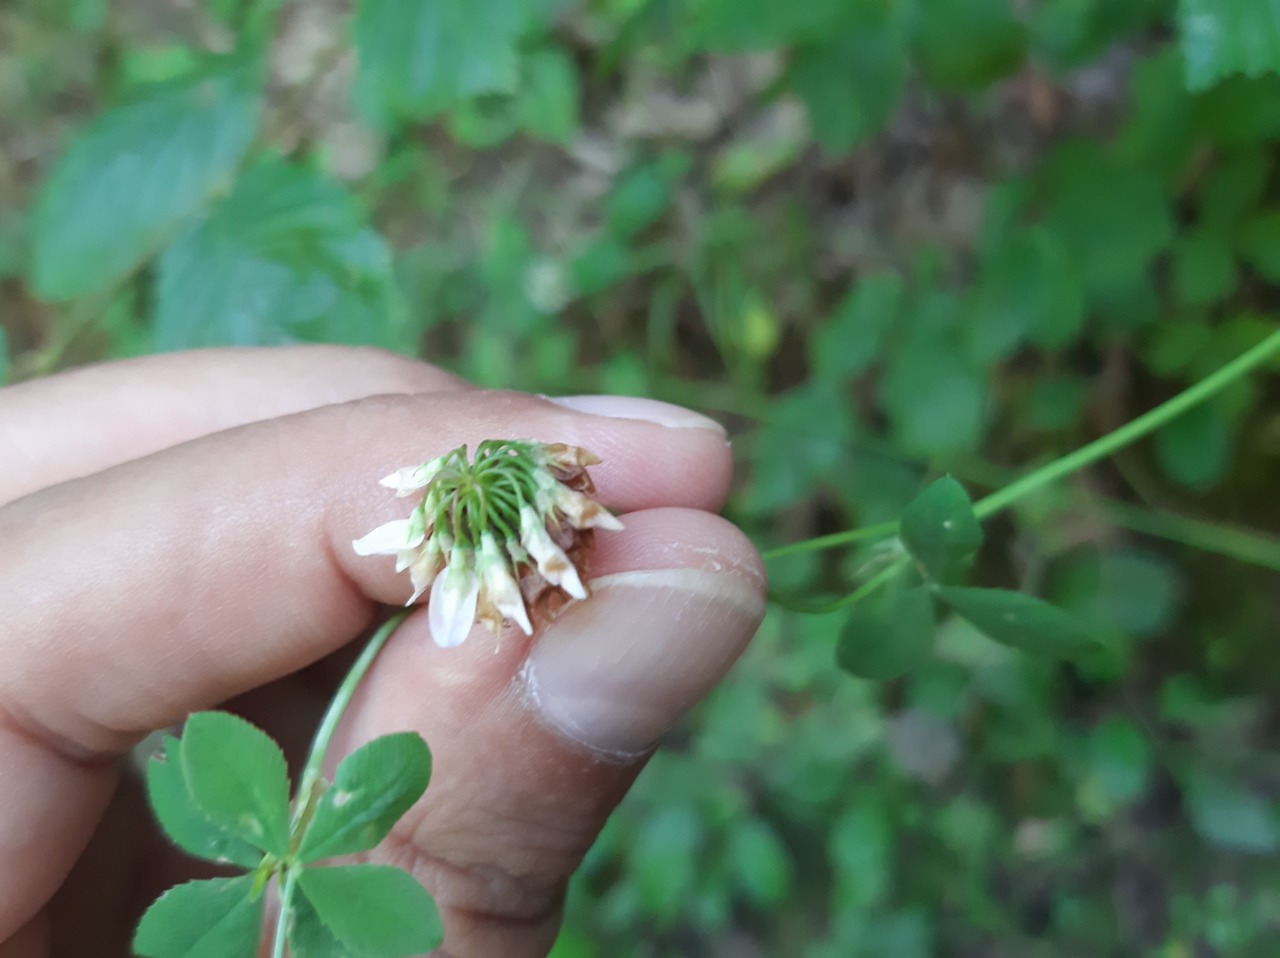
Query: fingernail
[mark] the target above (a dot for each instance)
(615, 672)
(634, 407)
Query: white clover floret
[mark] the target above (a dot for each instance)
(480, 538)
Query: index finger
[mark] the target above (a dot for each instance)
(78, 422)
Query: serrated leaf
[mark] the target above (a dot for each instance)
(135, 174)
(308, 936)
(373, 910)
(1020, 621)
(940, 530)
(237, 775)
(888, 634)
(372, 788)
(217, 918)
(182, 819)
(1223, 37)
(418, 59)
(285, 257)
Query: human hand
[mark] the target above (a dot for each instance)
(177, 536)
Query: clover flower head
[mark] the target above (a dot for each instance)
(494, 537)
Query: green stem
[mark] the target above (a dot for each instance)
(1238, 544)
(1002, 499)
(1107, 445)
(282, 920)
(1130, 432)
(834, 539)
(312, 771)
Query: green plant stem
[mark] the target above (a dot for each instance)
(1131, 431)
(312, 771)
(282, 920)
(880, 531)
(1238, 544)
(1100, 448)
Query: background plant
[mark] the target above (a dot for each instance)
(886, 241)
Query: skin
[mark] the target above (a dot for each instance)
(175, 536)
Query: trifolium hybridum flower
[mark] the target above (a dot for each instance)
(494, 536)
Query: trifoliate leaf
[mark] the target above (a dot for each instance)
(218, 918)
(887, 634)
(940, 530)
(372, 788)
(373, 909)
(129, 181)
(1021, 621)
(238, 777)
(183, 820)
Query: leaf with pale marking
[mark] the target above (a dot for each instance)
(372, 788)
(183, 820)
(238, 777)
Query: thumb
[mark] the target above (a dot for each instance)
(534, 746)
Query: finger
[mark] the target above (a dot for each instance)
(89, 419)
(171, 583)
(534, 746)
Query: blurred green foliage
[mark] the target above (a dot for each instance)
(883, 239)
